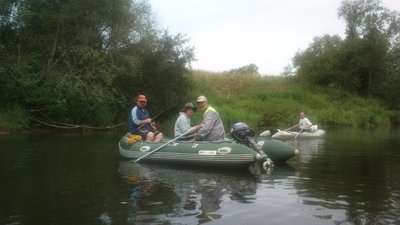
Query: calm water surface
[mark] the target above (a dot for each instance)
(350, 177)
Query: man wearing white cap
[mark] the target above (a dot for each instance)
(212, 128)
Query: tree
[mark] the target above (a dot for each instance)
(374, 26)
(323, 64)
(390, 87)
(364, 62)
(250, 69)
(83, 61)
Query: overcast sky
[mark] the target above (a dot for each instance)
(228, 34)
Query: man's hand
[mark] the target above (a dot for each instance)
(149, 120)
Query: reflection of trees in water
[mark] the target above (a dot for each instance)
(159, 193)
(209, 202)
(353, 175)
(244, 191)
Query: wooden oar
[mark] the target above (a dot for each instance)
(169, 142)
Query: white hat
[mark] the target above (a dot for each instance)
(201, 98)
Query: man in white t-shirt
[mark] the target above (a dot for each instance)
(304, 123)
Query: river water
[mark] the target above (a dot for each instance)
(350, 177)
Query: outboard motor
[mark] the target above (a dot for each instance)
(240, 132)
(244, 134)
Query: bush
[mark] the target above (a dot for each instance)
(13, 119)
(276, 101)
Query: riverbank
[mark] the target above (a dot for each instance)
(259, 101)
(276, 101)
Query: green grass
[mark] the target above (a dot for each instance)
(276, 101)
(261, 102)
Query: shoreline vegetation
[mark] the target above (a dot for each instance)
(275, 101)
(64, 67)
(259, 101)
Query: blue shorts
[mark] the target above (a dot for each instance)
(144, 133)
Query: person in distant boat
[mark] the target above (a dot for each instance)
(304, 124)
(212, 128)
(183, 122)
(140, 122)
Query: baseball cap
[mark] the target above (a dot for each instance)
(201, 98)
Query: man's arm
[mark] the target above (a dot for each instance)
(207, 124)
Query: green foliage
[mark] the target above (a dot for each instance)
(320, 64)
(363, 62)
(276, 101)
(83, 62)
(367, 17)
(163, 70)
(249, 69)
(13, 119)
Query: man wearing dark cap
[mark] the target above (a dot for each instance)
(183, 123)
(140, 122)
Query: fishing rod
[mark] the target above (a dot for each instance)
(160, 113)
(163, 111)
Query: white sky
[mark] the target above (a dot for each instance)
(228, 34)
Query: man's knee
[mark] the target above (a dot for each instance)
(150, 136)
(159, 136)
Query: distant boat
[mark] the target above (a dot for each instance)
(285, 135)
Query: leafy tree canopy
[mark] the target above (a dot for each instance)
(250, 69)
(365, 62)
(83, 61)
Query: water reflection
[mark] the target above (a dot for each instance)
(350, 177)
(184, 194)
(349, 174)
(308, 149)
